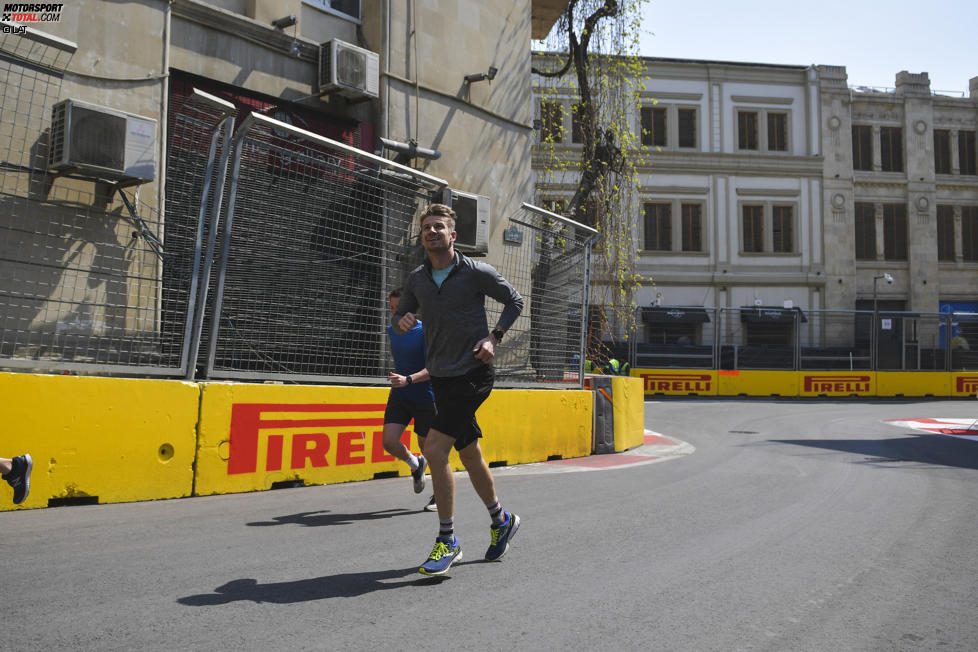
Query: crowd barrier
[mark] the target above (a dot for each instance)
(105, 440)
(706, 382)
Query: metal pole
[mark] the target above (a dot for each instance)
(716, 338)
(797, 343)
(585, 301)
(948, 320)
(239, 139)
(874, 358)
(201, 300)
(189, 345)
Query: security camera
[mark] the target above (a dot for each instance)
(285, 21)
(888, 279)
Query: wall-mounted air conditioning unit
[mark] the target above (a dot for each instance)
(103, 143)
(471, 221)
(348, 70)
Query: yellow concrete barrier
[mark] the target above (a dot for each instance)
(115, 439)
(963, 384)
(677, 382)
(629, 412)
(253, 436)
(837, 383)
(523, 426)
(913, 383)
(750, 382)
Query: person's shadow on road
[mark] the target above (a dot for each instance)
(342, 585)
(325, 517)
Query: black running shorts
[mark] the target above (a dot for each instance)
(457, 398)
(401, 412)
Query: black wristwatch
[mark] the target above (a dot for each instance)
(498, 334)
(409, 379)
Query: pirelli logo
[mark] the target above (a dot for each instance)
(966, 384)
(298, 436)
(836, 383)
(682, 383)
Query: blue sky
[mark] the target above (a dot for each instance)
(874, 40)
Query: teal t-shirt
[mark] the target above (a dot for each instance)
(439, 275)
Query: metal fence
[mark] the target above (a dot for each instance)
(90, 280)
(794, 339)
(547, 257)
(273, 261)
(79, 261)
(315, 234)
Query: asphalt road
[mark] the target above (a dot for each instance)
(794, 525)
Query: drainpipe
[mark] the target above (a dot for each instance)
(164, 107)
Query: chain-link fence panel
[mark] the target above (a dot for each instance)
(85, 263)
(963, 343)
(835, 340)
(774, 338)
(676, 337)
(316, 233)
(198, 150)
(546, 257)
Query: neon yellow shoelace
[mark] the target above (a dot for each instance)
(439, 551)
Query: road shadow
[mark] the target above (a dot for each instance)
(325, 517)
(342, 585)
(930, 450)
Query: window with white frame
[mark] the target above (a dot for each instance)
(654, 126)
(669, 126)
(673, 225)
(658, 226)
(686, 128)
(692, 225)
(768, 227)
(763, 130)
(346, 8)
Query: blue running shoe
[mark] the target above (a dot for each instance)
(441, 558)
(501, 535)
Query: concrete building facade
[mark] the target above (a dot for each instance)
(473, 104)
(751, 194)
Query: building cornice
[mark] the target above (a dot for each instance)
(245, 28)
(700, 162)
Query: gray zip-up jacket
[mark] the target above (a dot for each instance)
(455, 314)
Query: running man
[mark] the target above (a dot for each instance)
(450, 289)
(410, 398)
(17, 473)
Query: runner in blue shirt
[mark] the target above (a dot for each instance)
(410, 398)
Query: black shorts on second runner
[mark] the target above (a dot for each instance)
(457, 398)
(401, 412)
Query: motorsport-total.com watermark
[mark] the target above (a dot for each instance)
(31, 12)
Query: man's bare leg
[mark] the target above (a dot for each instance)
(393, 443)
(437, 448)
(479, 473)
